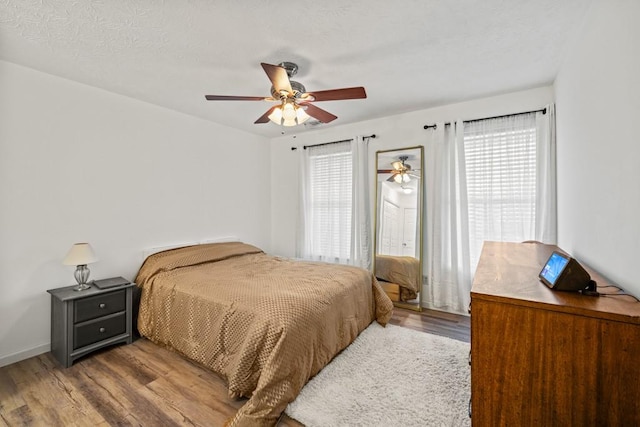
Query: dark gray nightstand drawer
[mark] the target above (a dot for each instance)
(99, 305)
(99, 329)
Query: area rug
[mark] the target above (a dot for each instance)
(390, 376)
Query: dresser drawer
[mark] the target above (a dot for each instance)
(98, 306)
(98, 330)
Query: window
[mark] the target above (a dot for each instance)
(334, 217)
(500, 158)
(329, 204)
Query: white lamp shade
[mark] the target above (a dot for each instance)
(80, 254)
(276, 115)
(288, 114)
(302, 115)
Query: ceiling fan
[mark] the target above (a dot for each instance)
(401, 172)
(294, 102)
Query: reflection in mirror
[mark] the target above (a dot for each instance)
(398, 243)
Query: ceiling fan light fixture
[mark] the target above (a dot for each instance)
(288, 111)
(288, 114)
(290, 93)
(398, 178)
(276, 115)
(406, 177)
(302, 115)
(289, 122)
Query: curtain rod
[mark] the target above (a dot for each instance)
(543, 111)
(329, 143)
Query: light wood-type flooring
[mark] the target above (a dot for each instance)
(142, 384)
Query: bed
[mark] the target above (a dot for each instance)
(265, 324)
(399, 274)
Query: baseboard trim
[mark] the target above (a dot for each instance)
(445, 309)
(25, 354)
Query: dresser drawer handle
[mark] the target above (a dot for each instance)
(102, 305)
(102, 330)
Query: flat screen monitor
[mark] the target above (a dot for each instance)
(563, 273)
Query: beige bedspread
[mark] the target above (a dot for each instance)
(401, 270)
(264, 323)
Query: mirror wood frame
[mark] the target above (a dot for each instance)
(420, 215)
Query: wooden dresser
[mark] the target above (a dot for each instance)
(547, 358)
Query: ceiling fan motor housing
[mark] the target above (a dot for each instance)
(290, 68)
(298, 89)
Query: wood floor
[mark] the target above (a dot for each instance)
(142, 384)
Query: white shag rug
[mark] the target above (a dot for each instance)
(390, 376)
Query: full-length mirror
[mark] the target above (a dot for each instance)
(398, 242)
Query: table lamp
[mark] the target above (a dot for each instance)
(80, 255)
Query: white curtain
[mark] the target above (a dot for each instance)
(334, 222)
(362, 245)
(546, 208)
(491, 179)
(447, 230)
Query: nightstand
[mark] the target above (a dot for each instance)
(85, 321)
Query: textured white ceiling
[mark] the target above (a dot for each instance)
(408, 54)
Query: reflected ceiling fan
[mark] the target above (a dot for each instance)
(401, 172)
(294, 102)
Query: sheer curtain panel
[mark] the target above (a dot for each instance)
(362, 245)
(447, 260)
(492, 179)
(546, 206)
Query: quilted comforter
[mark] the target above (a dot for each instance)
(265, 324)
(401, 270)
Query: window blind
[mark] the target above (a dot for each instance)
(500, 159)
(330, 194)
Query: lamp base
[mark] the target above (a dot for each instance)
(82, 275)
(81, 287)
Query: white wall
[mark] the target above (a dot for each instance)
(598, 106)
(81, 164)
(405, 130)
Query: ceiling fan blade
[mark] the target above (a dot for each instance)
(337, 94)
(319, 113)
(278, 77)
(265, 117)
(390, 179)
(386, 170)
(234, 98)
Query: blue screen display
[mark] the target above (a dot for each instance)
(554, 267)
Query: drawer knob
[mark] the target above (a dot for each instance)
(102, 330)
(102, 305)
